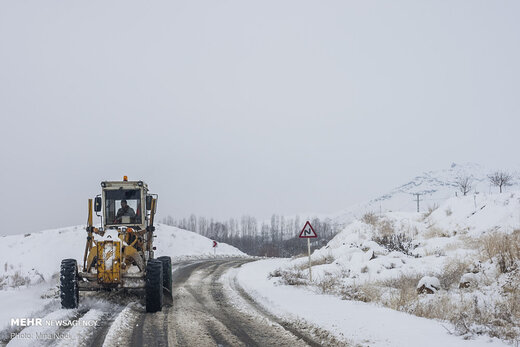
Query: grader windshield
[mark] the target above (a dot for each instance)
(123, 206)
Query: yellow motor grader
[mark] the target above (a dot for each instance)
(120, 253)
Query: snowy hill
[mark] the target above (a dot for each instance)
(434, 187)
(471, 245)
(435, 237)
(36, 257)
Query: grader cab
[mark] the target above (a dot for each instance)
(120, 253)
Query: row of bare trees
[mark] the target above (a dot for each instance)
(500, 179)
(275, 238)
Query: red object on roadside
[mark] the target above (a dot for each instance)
(215, 244)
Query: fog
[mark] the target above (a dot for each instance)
(247, 107)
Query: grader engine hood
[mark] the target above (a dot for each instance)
(113, 262)
(109, 262)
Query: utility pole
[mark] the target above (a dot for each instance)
(418, 195)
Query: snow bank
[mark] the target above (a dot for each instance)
(180, 243)
(362, 324)
(36, 257)
(379, 257)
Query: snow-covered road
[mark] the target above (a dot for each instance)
(209, 308)
(203, 314)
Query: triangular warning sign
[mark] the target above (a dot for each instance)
(308, 232)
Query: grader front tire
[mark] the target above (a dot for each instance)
(154, 284)
(69, 288)
(167, 273)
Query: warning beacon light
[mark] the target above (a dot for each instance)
(125, 178)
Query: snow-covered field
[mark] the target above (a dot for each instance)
(360, 323)
(470, 245)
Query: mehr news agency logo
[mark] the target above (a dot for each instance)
(40, 322)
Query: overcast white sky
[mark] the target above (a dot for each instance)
(247, 107)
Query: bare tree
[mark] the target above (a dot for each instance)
(500, 179)
(464, 183)
(169, 220)
(203, 226)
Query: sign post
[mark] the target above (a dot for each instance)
(308, 233)
(215, 244)
(310, 264)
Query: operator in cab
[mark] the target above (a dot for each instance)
(125, 211)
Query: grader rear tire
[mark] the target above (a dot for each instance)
(154, 283)
(69, 288)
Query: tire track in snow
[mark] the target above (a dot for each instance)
(80, 335)
(205, 316)
(106, 307)
(151, 328)
(104, 326)
(90, 323)
(310, 334)
(120, 331)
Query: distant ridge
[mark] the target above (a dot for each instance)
(433, 187)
